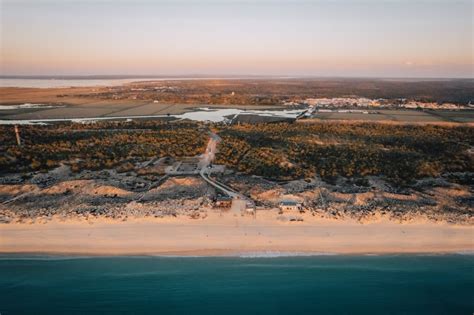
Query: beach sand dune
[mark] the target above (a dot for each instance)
(229, 234)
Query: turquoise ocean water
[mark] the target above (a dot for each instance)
(392, 284)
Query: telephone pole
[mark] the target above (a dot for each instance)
(17, 133)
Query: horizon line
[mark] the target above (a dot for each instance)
(220, 76)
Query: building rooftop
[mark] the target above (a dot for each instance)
(223, 198)
(288, 203)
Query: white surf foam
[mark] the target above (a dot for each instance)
(28, 106)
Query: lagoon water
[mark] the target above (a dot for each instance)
(60, 83)
(399, 284)
(202, 114)
(52, 82)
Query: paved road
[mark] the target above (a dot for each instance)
(206, 160)
(210, 154)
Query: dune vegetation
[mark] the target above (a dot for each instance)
(97, 146)
(400, 153)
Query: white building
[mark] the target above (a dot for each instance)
(289, 205)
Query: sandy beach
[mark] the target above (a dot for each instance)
(233, 235)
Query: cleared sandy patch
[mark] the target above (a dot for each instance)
(87, 187)
(451, 192)
(16, 189)
(272, 195)
(175, 186)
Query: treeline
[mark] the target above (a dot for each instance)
(400, 153)
(97, 146)
(275, 91)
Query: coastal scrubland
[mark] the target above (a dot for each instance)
(335, 170)
(399, 153)
(271, 91)
(96, 146)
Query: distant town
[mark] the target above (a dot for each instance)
(361, 102)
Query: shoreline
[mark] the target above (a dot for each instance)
(218, 254)
(230, 236)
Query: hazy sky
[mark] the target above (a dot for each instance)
(388, 38)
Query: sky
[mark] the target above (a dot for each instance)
(353, 38)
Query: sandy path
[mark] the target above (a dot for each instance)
(228, 234)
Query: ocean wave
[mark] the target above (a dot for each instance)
(275, 254)
(246, 254)
(44, 257)
(28, 106)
